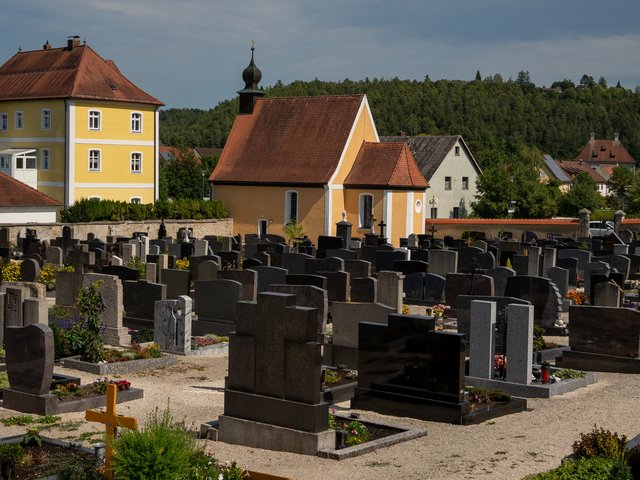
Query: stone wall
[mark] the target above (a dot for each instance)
(201, 228)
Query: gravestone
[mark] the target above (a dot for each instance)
(481, 244)
(342, 253)
(406, 369)
(139, 299)
(548, 260)
(272, 395)
(608, 294)
(294, 262)
(263, 257)
(482, 339)
(338, 286)
(123, 273)
(434, 288)
(248, 279)
(208, 270)
(419, 255)
(195, 261)
(357, 268)
(571, 265)
(29, 354)
(321, 265)
(178, 282)
(275, 252)
(464, 284)
(410, 266)
(308, 296)
(54, 256)
(541, 292)
(621, 263)
(364, 290)
(442, 262)
(466, 257)
(326, 242)
(229, 260)
(485, 261)
(560, 277)
(270, 276)
(151, 272)
(314, 280)
(215, 304)
(583, 257)
(385, 259)
(200, 247)
(172, 325)
(594, 268)
(249, 263)
(500, 276)
(35, 310)
(110, 287)
(413, 286)
(390, 288)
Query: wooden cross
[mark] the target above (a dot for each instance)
(382, 226)
(111, 421)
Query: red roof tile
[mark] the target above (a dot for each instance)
(605, 151)
(67, 73)
(14, 193)
(385, 164)
(288, 140)
(572, 169)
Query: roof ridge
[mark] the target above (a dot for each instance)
(74, 83)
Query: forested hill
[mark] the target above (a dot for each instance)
(489, 113)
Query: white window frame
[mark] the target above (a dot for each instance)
(361, 212)
(134, 120)
(287, 206)
(131, 162)
(465, 183)
(456, 150)
(4, 121)
(95, 120)
(99, 158)
(135, 200)
(18, 119)
(45, 158)
(45, 119)
(448, 183)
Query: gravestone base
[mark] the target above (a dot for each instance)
(339, 393)
(116, 336)
(598, 362)
(48, 404)
(249, 433)
(533, 390)
(400, 405)
(211, 325)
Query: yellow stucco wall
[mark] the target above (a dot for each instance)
(248, 204)
(116, 142)
(364, 131)
(352, 206)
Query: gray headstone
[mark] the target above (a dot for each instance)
(519, 343)
(442, 262)
(208, 270)
(151, 272)
(549, 260)
(559, 276)
(608, 294)
(357, 268)
(177, 282)
(413, 286)
(110, 288)
(172, 325)
(270, 276)
(434, 287)
(13, 313)
(54, 256)
(215, 300)
(35, 310)
(248, 279)
(308, 296)
(331, 264)
(364, 290)
(390, 287)
(541, 292)
(294, 262)
(30, 354)
(29, 270)
(500, 275)
(463, 284)
(593, 268)
(481, 340)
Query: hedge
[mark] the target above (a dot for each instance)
(112, 210)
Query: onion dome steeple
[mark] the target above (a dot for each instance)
(251, 92)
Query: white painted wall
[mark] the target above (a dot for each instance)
(27, 214)
(455, 167)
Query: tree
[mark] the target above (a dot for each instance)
(583, 194)
(183, 176)
(587, 81)
(621, 184)
(478, 77)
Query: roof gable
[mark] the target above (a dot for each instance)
(431, 150)
(78, 72)
(605, 151)
(288, 140)
(14, 193)
(385, 164)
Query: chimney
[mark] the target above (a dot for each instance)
(593, 136)
(47, 46)
(615, 137)
(72, 42)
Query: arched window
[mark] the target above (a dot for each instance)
(365, 211)
(291, 207)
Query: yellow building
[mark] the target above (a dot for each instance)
(82, 128)
(308, 159)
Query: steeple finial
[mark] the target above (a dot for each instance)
(251, 76)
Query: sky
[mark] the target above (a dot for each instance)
(191, 53)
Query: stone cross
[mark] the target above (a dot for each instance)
(111, 421)
(382, 226)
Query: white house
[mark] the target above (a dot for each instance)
(449, 167)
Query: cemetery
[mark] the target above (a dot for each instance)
(269, 347)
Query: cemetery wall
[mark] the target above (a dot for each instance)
(455, 227)
(201, 228)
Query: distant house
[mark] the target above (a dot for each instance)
(550, 169)
(605, 153)
(73, 126)
(308, 159)
(451, 170)
(20, 203)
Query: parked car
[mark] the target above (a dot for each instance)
(600, 228)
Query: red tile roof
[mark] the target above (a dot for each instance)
(605, 151)
(288, 140)
(385, 164)
(67, 73)
(14, 193)
(572, 169)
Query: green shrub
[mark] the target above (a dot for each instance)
(633, 458)
(567, 373)
(80, 467)
(162, 449)
(4, 380)
(600, 443)
(111, 210)
(539, 343)
(588, 469)
(90, 306)
(10, 271)
(48, 274)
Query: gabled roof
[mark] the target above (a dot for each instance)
(430, 151)
(555, 169)
(605, 151)
(14, 193)
(385, 164)
(297, 140)
(572, 169)
(77, 72)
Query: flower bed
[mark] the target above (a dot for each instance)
(120, 367)
(209, 344)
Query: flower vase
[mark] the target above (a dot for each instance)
(439, 322)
